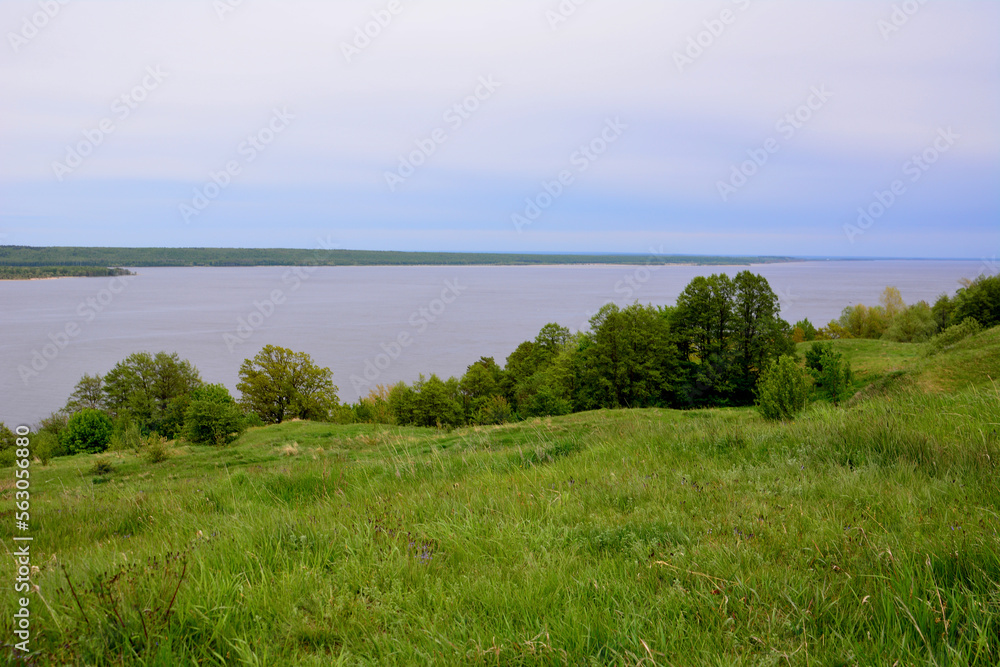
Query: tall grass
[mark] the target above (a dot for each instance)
(865, 535)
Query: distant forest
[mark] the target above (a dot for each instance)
(38, 272)
(27, 256)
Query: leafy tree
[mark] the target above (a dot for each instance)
(88, 393)
(915, 324)
(630, 359)
(860, 321)
(8, 439)
(152, 390)
(213, 418)
(831, 372)
(87, 431)
(807, 329)
(892, 303)
(438, 403)
(280, 384)
(759, 335)
(551, 338)
(703, 321)
(402, 402)
(782, 390)
(495, 410)
(521, 364)
(979, 300)
(482, 381)
(943, 310)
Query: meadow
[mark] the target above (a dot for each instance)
(855, 535)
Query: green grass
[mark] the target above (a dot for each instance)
(862, 535)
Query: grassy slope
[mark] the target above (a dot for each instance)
(858, 536)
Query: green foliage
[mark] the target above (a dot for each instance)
(88, 431)
(860, 321)
(156, 450)
(213, 418)
(980, 300)
(953, 334)
(38, 272)
(808, 330)
(45, 446)
(629, 359)
(8, 439)
(280, 384)
(151, 390)
(494, 410)
(830, 371)
(101, 467)
(782, 391)
(88, 393)
(915, 324)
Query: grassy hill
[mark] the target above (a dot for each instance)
(859, 535)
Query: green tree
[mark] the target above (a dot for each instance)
(87, 431)
(213, 418)
(8, 439)
(703, 321)
(979, 300)
(807, 329)
(152, 390)
(280, 384)
(830, 371)
(782, 390)
(88, 393)
(915, 324)
(629, 360)
(438, 403)
(482, 381)
(759, 335)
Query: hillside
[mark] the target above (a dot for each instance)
(858, 535)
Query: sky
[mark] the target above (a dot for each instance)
(746, 127)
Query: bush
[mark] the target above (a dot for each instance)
(782, 390)
(913, 325)
(953, 334)
(101, 467)
(156, 450)
(87, 431)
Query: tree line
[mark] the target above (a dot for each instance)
(723, 343)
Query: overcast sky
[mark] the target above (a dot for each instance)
(748, 127)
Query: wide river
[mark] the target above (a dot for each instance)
(368, 324)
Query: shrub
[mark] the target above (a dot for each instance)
(782, 390)
(156, 450)
(87, 431)
(101, 467)
(953, 334)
